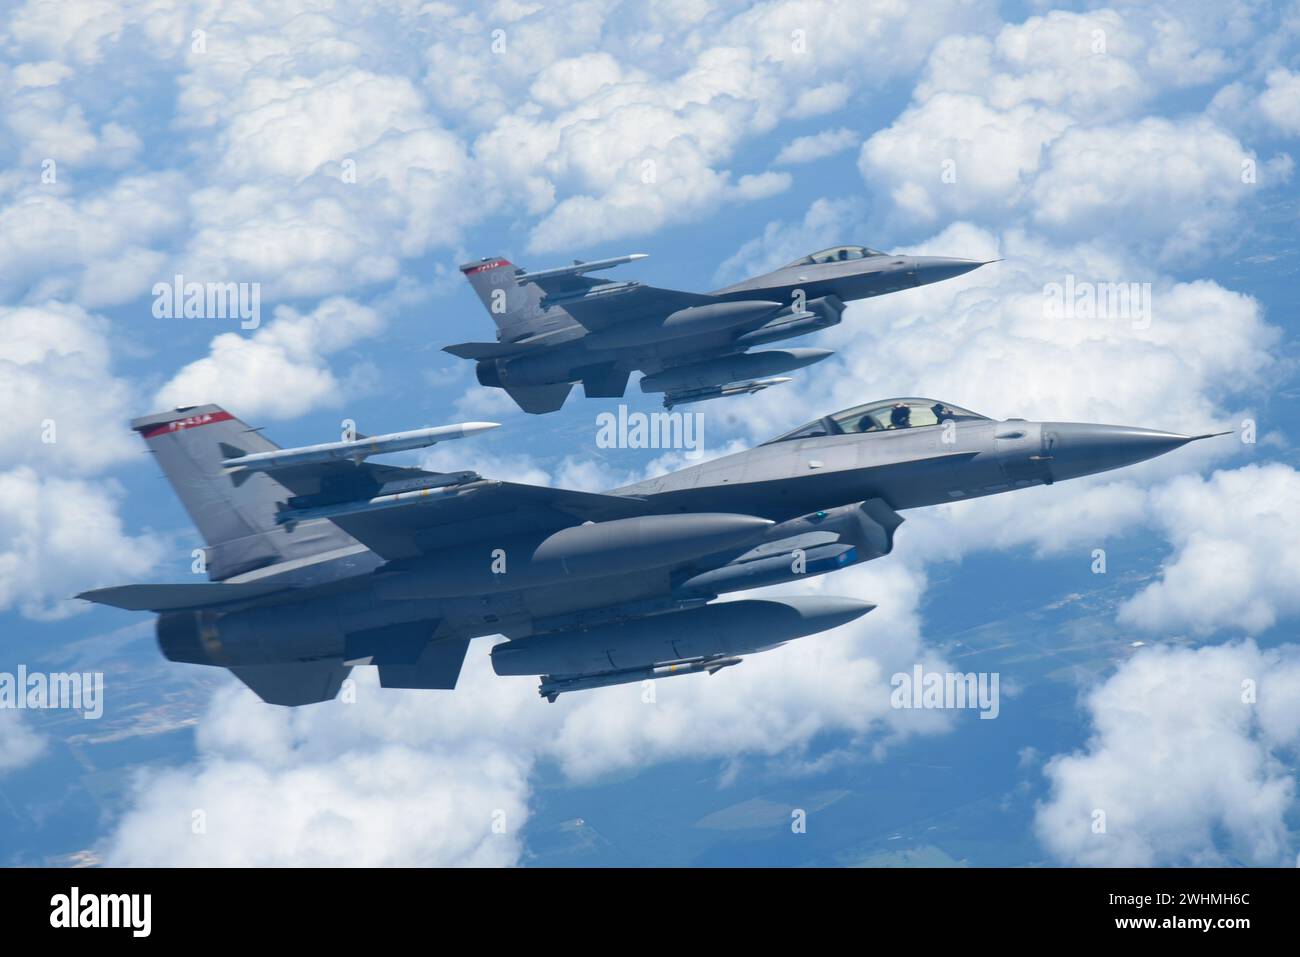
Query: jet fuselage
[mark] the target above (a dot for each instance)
(780, 481)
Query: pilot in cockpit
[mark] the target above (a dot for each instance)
(942, 413)
(900, 417)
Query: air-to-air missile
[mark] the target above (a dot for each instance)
(355, 450)
(320, 561)
(556, 327)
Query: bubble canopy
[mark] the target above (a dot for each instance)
(836, 254)
(887, 415)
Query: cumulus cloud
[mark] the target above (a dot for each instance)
(281, 370)
(61, 536)
(806, 149)
(825, 223)
(1040, 121)
(619, 143)
(1236, 561)
(1186, 746)
(19, 744)
(100, 248)
(1179, 182)
(65, 410)
(1280, 101)
(319, 163)
(264, 794)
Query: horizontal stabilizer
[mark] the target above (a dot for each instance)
(179, 596)
(296, 683)
(483, 350)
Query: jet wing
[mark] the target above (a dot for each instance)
(476, 511)
(405, 512)
(637, 304)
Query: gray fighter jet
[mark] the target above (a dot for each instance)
(559, 326)
(321, 561)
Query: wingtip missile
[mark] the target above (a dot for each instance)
(474, 428)
(578, 268)
(355, 450)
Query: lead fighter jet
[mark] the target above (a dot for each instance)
(321, 561)
(559, 326)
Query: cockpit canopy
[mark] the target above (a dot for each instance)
(837, 254)
(885, 416)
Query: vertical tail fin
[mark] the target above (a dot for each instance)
(236, 520)
(516, 309)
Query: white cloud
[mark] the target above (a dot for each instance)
(100, 248)
(1085, 64)
(568, 82)
(1179, 183)
(1186, 769)
(826, 98)
(61, 536)
(1039, 122)
(806, 149)
(1280, 101)
(64, 408)
(1236, 562)
(271, 791)
(826, 223)
(50, 128)
(955, 155)
(43, 73)
(281, 370)
(761, 185)
(19, 744)
(621, 143)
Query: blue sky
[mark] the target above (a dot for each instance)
(348, 157)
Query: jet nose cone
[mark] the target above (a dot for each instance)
(1078, 449)
(938, 268)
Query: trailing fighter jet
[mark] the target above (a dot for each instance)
(558, 326)
(321, 561)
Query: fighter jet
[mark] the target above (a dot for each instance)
(559, 326)
(321, 561)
